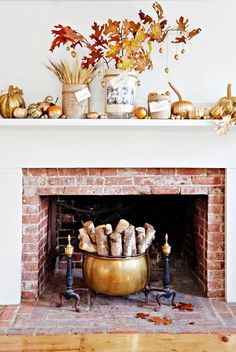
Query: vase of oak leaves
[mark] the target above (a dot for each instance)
(125, 48)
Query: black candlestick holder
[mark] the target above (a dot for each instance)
(164, 292)
(70, 293)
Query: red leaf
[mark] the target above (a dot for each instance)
(97, 35)
(158, 320)
(179, 40)
(142, 315)
(64, 35)
(184, 306)
(145, 18)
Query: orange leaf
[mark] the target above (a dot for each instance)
(182, 25)
(184, 306)
(130, 26)
(142, 315)
(193, 33)
(158, 320)
(112, 27)
(64, 35)
(159, 10)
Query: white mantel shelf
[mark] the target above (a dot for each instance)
(114, 143)
(106, 122)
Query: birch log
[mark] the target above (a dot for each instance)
(129, 241)
(122, 226)
(116, 244)
(140, 237)
(101, 240)
(108, 229)
(149, 234)
(90, 229)
(85, 241)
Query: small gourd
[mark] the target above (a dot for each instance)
(44, 105)
(10, 101)
(20, 113)
(34, 110)
(54, 112)
(225, 105)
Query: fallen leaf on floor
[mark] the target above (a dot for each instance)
(142, 315)
(191, 322)
(158, 320)
(184, 306)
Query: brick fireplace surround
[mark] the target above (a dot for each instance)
(209, 217)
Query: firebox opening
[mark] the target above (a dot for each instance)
(183, 217)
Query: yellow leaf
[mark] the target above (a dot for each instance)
(156, 31)
(114, 50)
(126, 63)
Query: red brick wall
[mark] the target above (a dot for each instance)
(46, 182)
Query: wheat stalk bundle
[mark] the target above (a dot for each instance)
(72, 74)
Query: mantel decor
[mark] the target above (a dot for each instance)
(125, 46)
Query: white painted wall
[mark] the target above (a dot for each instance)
(201, 75)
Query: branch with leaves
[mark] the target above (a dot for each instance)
(127, 43)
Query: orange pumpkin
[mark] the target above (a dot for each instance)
(54, 112)
(140, 112)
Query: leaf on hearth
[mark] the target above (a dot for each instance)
(179, 40)
(64, 35)
(184, 306)
(158, 320)
(193, 33)
(142, 315)
(159, 10)
(145, 18)
(182, 24)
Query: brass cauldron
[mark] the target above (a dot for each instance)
(116, 276)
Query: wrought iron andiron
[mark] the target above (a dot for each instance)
(69, 293)
(165, 292)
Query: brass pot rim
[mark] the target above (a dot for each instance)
(106, 257)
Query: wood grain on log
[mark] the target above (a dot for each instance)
(140, 239)
(85, 242)
(149, 234)
(90, 229)
(116, 244)
(122, 226)
(101, 240)
(129, 241)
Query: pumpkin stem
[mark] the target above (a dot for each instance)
(10, 90)
(176, 91)
(229, 95)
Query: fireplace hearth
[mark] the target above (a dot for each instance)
(197, 195)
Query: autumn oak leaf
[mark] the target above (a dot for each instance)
(112, 27)
(182, 24)
(145, 18)
(159, 10)
(179, 40)
(64, 35)
(142, 315)
(184, 306)
(193, 33)
(158, 320)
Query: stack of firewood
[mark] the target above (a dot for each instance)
(124, 240)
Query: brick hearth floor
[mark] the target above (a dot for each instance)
(117, 314)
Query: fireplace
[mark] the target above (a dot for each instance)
(111, 145)
(186, 203)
